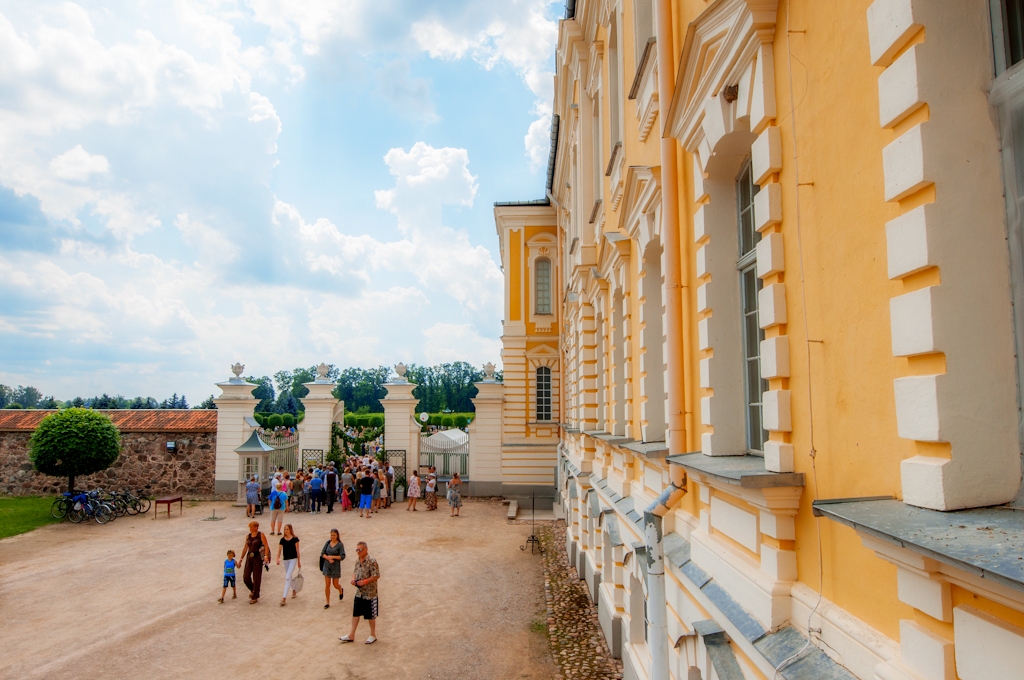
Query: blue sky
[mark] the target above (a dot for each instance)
(188, 183)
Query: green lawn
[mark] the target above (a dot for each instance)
(21, 514)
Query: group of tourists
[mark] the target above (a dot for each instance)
(255, 560)
(363, 483)
(428, 490)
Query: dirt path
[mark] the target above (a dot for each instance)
(138, 597)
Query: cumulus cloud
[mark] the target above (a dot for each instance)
(136, 165)
(447, 342)
(77, 164)
(520, 33)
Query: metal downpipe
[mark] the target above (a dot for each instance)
(657, 602)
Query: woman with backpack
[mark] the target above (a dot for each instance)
(331, 557)
(278, 503)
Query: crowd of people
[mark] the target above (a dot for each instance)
(359, 483)
(364, 484)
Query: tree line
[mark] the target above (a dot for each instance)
(30, 397)
(439, 388)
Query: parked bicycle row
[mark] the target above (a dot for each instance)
(102, 506)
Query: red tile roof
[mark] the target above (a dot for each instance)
(127, 420)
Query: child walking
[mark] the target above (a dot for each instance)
(229, 577)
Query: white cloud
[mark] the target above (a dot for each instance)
(520, 33)
(426, 179)
(77, 164)
(262, 109)
(448, 342)
(212, 246)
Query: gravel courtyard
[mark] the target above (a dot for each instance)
(138, 597)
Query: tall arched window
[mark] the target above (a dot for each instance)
(543, 394)
(750, 284)
(542, 286)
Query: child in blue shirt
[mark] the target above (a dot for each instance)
(229, 576)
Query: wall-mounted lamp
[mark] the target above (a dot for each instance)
(170, 446)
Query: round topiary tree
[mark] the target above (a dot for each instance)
(350, 419)
(258, 417)
(435, 419)
(288, 420)
(461, 421)
(447, 421)
(275, 420)
(376, 420)
(74, 442)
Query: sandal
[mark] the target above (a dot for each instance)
(370, 640)
(341, 596)
(327, 606)
(221, 600)
(346, 638)
(283, 602)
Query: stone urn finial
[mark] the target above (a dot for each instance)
(489, 372)
(237, 369)
(322, 370)
(400, 369)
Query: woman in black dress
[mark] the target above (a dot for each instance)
(330, 565)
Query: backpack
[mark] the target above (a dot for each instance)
(277, 500)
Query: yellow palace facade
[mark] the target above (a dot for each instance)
(761, 334)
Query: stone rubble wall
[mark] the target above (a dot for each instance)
(144, 463)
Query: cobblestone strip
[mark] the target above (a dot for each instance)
(577, 644)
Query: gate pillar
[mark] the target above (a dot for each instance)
(235, 407)
(400, 428)
(485, 439)
(321, 410)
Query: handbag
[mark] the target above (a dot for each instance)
(298, 581)
(322, 560)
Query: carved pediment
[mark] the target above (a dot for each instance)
(729, 44)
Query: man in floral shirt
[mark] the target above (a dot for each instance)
(364, 604)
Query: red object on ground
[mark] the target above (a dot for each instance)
(167, 501)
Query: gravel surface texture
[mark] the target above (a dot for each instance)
(574, 633)
(138, 598)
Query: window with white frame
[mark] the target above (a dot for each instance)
(1007, 95)
(750, 284)
(543, 394)
(643, 26)
(614, 83)
(542, 285)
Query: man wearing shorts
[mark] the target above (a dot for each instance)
(364, 604)
(365, 494)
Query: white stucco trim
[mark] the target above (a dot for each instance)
(891, 24)
(986, 648)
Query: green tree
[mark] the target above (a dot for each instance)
(74, 442)
(461, 421)
(27, 396)
(275, 420)
(265, 392)
(49, 402)
(362, 388)
(5, 395)
(207, 403)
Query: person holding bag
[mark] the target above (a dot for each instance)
(330, 565)
(289, 545)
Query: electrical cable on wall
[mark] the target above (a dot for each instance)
(812, 453)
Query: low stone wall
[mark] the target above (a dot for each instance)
(144, 463)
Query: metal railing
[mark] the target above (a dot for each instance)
(286, 450)
(446, 462)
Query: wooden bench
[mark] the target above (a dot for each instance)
(167, 501)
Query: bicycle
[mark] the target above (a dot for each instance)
(84, 507)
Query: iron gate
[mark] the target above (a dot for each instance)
(396, 459)
(312, 457)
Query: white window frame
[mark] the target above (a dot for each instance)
(746, 265)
